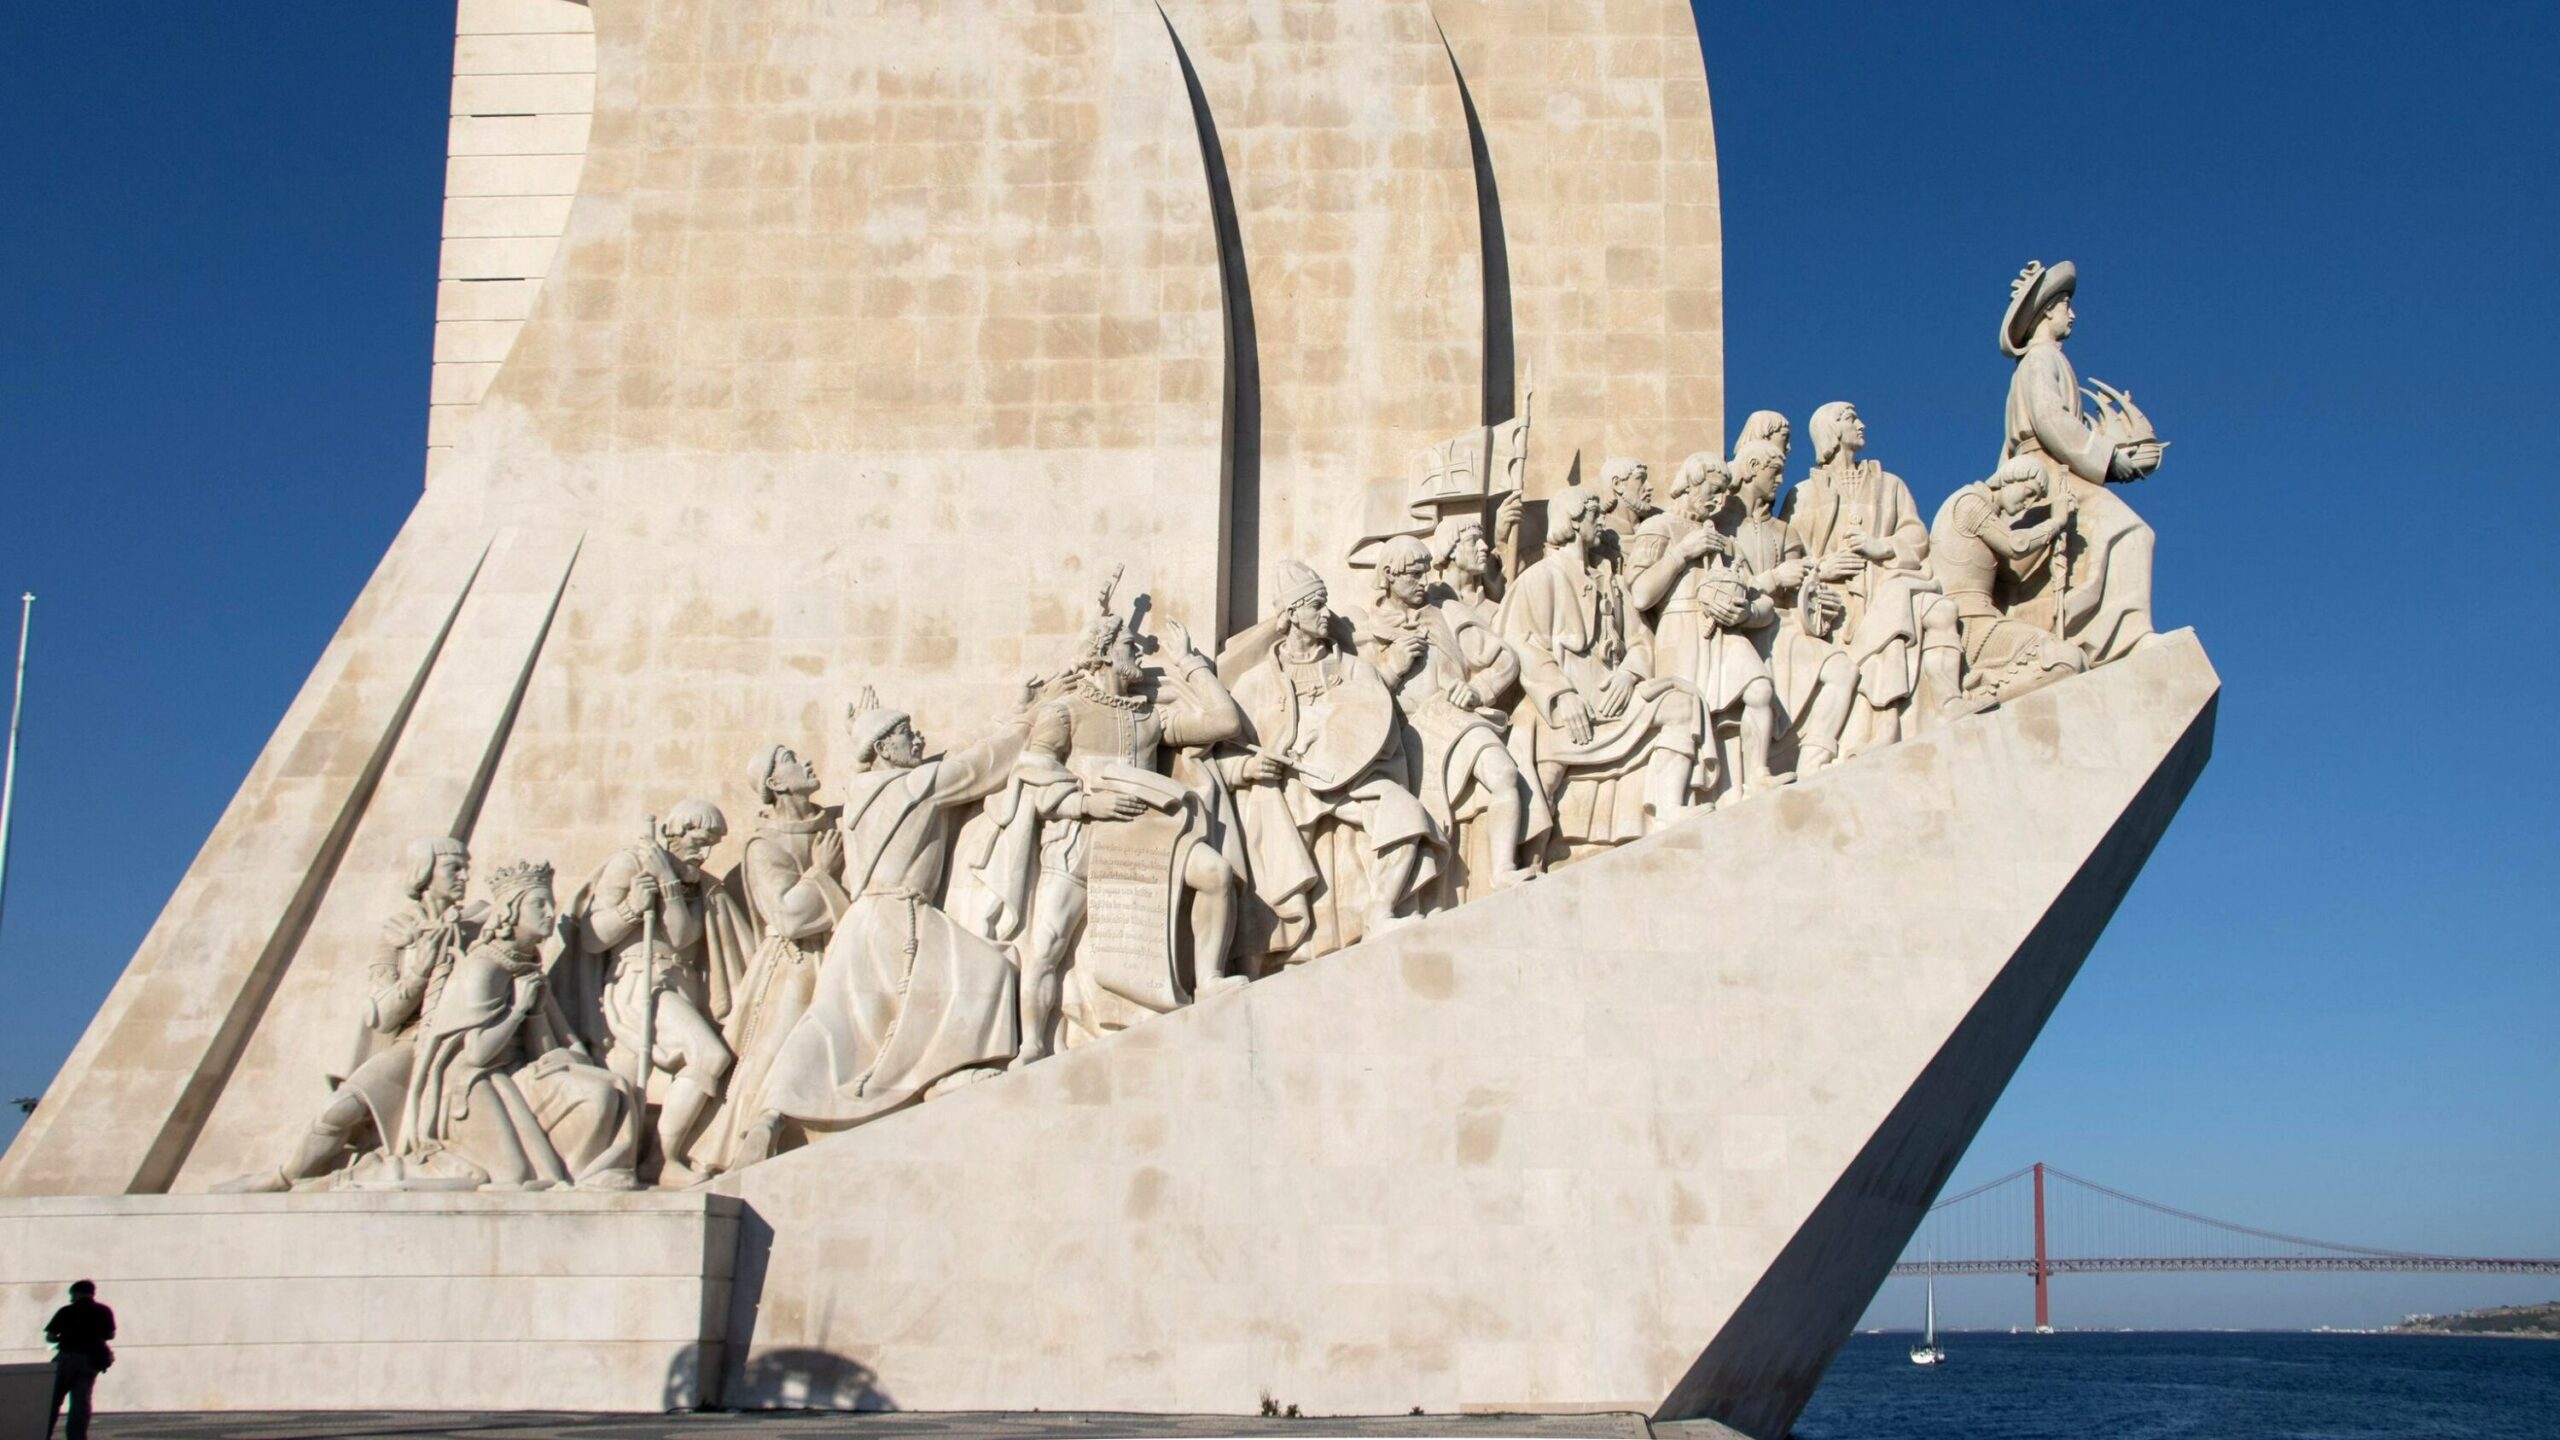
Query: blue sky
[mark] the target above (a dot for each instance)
(2316, 241)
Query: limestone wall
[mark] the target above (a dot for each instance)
(876, 334)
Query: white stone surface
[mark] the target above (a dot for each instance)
(1632, 1136)
(356, 1300)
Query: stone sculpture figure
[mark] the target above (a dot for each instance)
(1813, 680)
(1703, 612)
(700, 958)
(1769, 426)
(1320, 753)
(1983, 543)
(502, 1090)
(1464, 560)
(1864, 534)
(1628, 484)
(1614, 748)
(1087, 790)
(790, 874)
(1453, 678)
(406, 972)
(907, 999)
(2098, 590)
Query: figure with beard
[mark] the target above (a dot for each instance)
(701, 957)
(1614, 747)
(1863, 533)
(1813, 680)
(1703, 614)
(411, 959)
(1452, 678)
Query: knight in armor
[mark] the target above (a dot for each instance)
(410, 961)
(791, 876)
(1453, 679)
(1867, 542)
(907, 1000)
(699, 961)
(1090, 763)
(2097, 591)
(1321, 754)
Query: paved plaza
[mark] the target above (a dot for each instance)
(387, 1424)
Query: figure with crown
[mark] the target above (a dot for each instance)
(2096, 589)
(502, 1094)
(906, 1000)
(1105, 873)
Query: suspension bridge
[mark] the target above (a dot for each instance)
(2005, 1227)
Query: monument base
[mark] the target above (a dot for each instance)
(329, 1299)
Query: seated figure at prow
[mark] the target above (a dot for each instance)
(1614, 747)
(1983, 545)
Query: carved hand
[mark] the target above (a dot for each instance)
(1576, 718)
(2139, 459)
(1506, 516)
(1264, 770)
(1725, 606)
(1182, 640)
(643, 895)
(826, 852)
(528, 993)
(1876, 550)
(1614, 696)
(1702, 542)
(1104, 805)
(1463, 695)
(1787, 576)
(1407, 651)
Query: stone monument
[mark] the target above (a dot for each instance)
(1453, 979)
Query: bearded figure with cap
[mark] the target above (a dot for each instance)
(1867, 543)
(907, 1001)
(1335, 843)
(1704, 611)
(1090, 782)
(789, 875)
(503, 1094)
(1453, 679)
(1615, 747)
(2095, 588)
(659, 889)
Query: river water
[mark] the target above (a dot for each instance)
(2151, 1386)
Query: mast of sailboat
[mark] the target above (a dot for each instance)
(1932, 1341)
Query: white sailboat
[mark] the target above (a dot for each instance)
(1929, 1351)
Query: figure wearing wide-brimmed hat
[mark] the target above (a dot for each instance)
(2097, 589)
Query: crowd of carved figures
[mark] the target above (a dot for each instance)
(1152, 827)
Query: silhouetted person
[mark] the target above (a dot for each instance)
(79, 1333)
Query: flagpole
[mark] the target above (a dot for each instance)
(17, 708)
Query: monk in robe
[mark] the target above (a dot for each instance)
(1614, 747)
(907, 999)
(789, 875)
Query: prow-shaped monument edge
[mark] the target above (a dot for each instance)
(1644, 1134)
